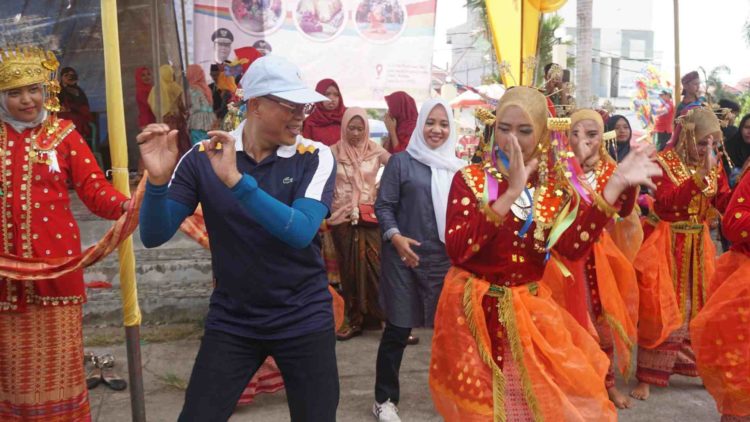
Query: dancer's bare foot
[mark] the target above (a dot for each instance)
(641, 391)
(620, 400)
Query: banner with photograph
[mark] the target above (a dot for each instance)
(370, 47)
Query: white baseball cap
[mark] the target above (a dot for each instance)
(275, 75)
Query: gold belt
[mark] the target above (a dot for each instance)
(500, 291)
(686, 226)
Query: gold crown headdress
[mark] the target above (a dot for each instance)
(24, 66)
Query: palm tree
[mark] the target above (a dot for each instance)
(547, 41)
(584, 45)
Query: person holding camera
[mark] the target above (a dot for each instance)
(557, 89)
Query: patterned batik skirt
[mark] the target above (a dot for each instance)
(41, 365)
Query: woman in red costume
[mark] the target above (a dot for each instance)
(721, 330)
(41, 334)
(503, 349)
(603, 294)
(677, 258)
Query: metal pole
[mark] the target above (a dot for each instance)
(677, 75)
(135, 374)
(155, 43)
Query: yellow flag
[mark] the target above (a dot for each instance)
(515, 35)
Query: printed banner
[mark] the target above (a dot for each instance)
(370, 47)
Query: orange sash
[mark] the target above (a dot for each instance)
(562, 368)
(39, 268)
(720, 336)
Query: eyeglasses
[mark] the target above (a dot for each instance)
(291, 107)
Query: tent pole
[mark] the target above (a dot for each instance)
(119, 152)
(184, 34)
(155, 43)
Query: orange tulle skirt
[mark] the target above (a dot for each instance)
(562, 367)
(617, 288)
(627, 234)
(720, 336)
(659, 309)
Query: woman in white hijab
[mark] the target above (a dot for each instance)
(411, 207)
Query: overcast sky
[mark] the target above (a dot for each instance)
(710, 30)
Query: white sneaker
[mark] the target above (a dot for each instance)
(385, 412)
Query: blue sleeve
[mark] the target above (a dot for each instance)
(295, 225)
(160, 216)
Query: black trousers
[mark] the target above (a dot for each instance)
(390, 353)
(225, 364)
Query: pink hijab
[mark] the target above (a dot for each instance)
(197, 78)
(354, 156)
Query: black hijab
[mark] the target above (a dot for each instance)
(737, 149)
(620, 149)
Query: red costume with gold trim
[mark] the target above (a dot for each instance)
(603, 292)
(675, 265)
(721, 330)
(37, 220)
(502, 348)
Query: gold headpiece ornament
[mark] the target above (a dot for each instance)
(609, 140)
(558, 123)
(554, 71)
(24, 66)
(609, 136)
(485, 116)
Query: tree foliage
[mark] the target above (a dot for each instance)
(547, 41)
(744, 101)
(480, 6)
(715, 85)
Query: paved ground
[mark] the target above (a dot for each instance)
(169, 363)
